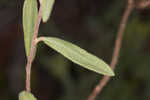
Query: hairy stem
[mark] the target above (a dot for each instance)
(116, 51)
(32, 51)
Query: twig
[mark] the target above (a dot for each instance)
(115, 55)
(32, 51)
(143, 4)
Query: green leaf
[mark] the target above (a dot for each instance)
(30, 12)
(78, 55)
(26, 96)
(47, 6)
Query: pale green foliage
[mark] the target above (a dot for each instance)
(26, 96)
(47, 6)
(30, 13)
(69, 50)
(78, 55)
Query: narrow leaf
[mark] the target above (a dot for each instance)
(30, 13)
(47, 6)
(26, 96)
(78, 55)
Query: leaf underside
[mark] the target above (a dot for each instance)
(26, 96)
(78, 55)
(30, 12)
(47, 6)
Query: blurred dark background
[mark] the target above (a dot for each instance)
(92, 25)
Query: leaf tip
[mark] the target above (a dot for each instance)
(110, 72)
(44, 20)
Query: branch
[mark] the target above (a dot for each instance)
(143, 4)
(117, 47)
(32, 51)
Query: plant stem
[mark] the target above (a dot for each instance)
(116, 51)
(32, 50)
(143, 4)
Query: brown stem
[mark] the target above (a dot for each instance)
(116, 51)
(143, 4)
(32, 51)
